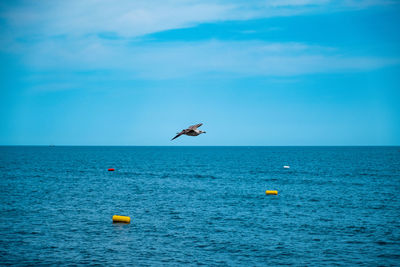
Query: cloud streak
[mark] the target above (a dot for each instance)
(73, 36)
(172, 60)
(137, 18)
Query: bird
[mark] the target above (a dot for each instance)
(191, 131)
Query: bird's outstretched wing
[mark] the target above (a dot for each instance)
(194, 127)
(179, 134)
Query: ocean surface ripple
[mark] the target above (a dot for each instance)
(200, 206)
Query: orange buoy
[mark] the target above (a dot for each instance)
(111, 169)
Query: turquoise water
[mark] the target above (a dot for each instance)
(200, 205)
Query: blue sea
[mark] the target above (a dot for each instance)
(200, 206)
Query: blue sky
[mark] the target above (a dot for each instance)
(300, 72)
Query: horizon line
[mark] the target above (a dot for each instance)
(13, 145)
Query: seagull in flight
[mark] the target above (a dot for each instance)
(191, 131)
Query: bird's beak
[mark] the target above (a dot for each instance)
(204, 132)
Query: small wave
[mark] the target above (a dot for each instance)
(389, 256)
(204, 176)
(383, 243)
(353, 242)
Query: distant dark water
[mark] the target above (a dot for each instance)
(200, 205)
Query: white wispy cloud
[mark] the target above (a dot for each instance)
(62, 35)
(126, 18)
(137, 18)
(170, 60)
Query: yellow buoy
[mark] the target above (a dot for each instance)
(121, 219)
(271, 192)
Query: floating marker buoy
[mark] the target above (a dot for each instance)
(121, 219)
(111, 169)
(286, 167)
(271, 192)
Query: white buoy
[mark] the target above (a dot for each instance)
(286, 167)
